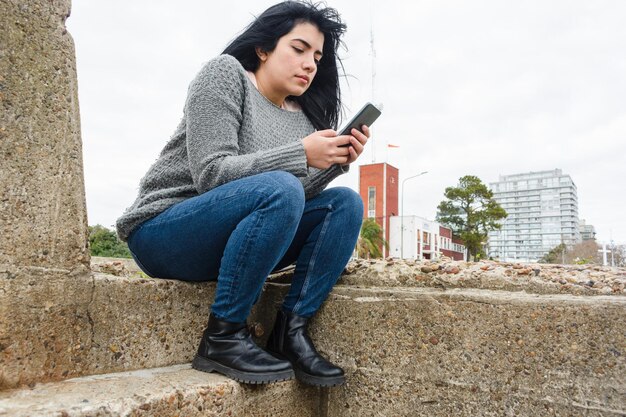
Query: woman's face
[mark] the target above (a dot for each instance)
(290, 68)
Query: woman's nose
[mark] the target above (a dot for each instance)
(309, 63)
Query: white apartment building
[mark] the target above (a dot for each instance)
(542, 212)
(587, 231)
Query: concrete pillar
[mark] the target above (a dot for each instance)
(43, 219)
(44, 261)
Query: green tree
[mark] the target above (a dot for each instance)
(471, 212)
(371, 240)
(104, 242)
(556, 255)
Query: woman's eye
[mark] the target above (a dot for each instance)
(300, 51)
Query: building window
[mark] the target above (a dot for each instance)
(371, 202)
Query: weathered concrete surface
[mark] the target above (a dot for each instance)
(145, 323)
(44, 325)
(68, 327)
(44, 262)
(177, 390)
(43, 220)
(65, 326)
(435, 352)
(408, 350)
(141, 323)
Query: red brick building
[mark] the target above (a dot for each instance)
(423, 239)
(451, 246)
(378, 186)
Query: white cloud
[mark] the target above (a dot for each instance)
(484, 87)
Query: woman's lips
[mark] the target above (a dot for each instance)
(304, 78)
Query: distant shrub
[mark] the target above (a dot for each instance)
(104, 242)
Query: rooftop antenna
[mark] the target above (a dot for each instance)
(373, 55)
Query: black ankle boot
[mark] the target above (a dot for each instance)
(228, 348)
(290, 340)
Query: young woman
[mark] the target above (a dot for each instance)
(238, 192)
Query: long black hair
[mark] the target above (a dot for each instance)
(321, 102)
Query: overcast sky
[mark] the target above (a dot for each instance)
(487, 87)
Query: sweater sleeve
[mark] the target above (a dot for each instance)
(319, 180)
(214, 115)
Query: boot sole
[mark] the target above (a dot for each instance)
(319, 381)
(207, 365)
(316, 381)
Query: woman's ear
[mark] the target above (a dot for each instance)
(261, 54)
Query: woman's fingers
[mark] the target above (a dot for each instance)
(356, 145)
(342, 140)
(353, 155)
(361, 136)
(347, 147)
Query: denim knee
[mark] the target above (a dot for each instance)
(287, 191)
(348, 201)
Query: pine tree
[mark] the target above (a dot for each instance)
(471, 212)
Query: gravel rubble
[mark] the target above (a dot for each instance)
(446, 273)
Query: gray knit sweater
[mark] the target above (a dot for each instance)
(229, 130)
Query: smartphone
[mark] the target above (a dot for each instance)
(366, 116)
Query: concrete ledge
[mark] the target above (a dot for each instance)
(45, 324)
(422, 351)
(408, 350)
(64, 326)
(177, 390)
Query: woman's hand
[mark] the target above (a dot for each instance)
(324, 148)
(357, 142)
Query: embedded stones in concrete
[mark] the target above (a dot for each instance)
(44, 262)
(177, 390)
(43, 221)
(67, 327)
(146, 323)
(440, 350)
(45, 326)
(435, 352)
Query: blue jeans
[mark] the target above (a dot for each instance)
(240, 232)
